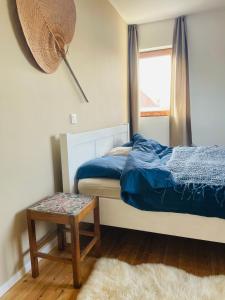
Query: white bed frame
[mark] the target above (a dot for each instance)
(78, 148)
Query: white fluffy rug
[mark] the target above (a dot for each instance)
(112, 279)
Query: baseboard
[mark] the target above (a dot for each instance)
(26, 268)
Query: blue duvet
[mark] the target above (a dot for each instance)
(148, 184)
(102, 167)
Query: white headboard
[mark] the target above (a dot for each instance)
(81, 147)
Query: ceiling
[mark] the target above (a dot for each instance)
(143, 11)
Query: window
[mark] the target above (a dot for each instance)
(155, 80)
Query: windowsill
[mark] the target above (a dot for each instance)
(161, 113)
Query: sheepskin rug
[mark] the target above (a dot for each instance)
(112, 279)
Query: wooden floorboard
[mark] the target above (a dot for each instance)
(135, 247)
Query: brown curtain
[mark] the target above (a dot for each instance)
(180, 118)
(133, 78)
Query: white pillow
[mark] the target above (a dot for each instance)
(119, 151)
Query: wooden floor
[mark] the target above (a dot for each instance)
(135, 247)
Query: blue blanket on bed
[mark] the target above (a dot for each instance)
(145, 170)
(102, 167)
(148, 183)
(150, 179)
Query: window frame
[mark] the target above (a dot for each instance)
(153, 53)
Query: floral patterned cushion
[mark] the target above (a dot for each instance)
(62, 203)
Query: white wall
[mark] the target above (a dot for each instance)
(206, 36)
(35, 108)
(155, 35)
(206, 40)
(156, 128)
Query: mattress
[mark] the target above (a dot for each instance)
(109, 188)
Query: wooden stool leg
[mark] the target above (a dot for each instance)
(33, 246)
(97, 230)
(75, 249)
(61, 237)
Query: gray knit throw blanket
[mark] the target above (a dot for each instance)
(198, 165)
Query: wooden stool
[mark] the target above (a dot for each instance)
(64, 209)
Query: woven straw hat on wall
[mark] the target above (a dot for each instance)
(48, 27)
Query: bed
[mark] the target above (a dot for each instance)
(76, 149)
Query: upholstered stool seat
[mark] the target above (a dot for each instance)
(63, 209)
